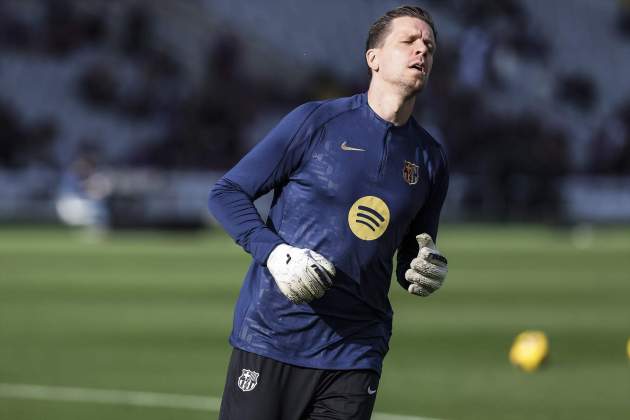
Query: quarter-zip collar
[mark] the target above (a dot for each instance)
(373, 116)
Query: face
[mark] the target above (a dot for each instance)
(405, 58)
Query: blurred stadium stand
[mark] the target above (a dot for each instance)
(160, 97)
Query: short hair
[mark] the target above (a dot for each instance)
(381, 28)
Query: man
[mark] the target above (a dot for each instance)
(354, 180)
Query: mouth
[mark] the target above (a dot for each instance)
(419, 67)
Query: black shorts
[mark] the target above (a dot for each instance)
(260, 388)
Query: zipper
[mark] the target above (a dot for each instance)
(383, 162)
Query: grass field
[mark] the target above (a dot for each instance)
(152, 312)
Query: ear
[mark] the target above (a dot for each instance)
(371, 57)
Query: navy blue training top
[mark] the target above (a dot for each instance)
(352, 187)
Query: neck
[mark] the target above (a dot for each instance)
(390, 105)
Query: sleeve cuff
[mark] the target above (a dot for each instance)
(263, 243)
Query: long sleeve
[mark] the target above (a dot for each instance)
(267, 166)
(426, 220)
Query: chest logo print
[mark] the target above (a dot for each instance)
(368, 218)
(344, 146)
(410, 172)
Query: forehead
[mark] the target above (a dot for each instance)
(407, 25)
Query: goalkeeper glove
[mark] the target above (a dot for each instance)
(428, 270)
(301, 274)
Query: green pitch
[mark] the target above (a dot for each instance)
(152, 312)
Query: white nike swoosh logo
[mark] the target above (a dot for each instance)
(371, 391)
(347, 148)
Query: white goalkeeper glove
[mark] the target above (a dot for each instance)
(301, 274)
(428, 270)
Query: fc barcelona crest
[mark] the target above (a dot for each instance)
(410, 172)
(248, 380)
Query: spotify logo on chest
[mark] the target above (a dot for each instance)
(368, 217)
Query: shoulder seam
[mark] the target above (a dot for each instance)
(304, 121)
(299, 128)
(338, 114)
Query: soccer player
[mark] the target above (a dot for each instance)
(355, 179)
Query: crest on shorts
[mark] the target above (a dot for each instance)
(410, 172)
(248, 380)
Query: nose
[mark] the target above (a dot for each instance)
(420, 48)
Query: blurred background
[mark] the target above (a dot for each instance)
(158, 98)
(116, 117)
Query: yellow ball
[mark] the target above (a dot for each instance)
(628, 348)
(529, 350)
